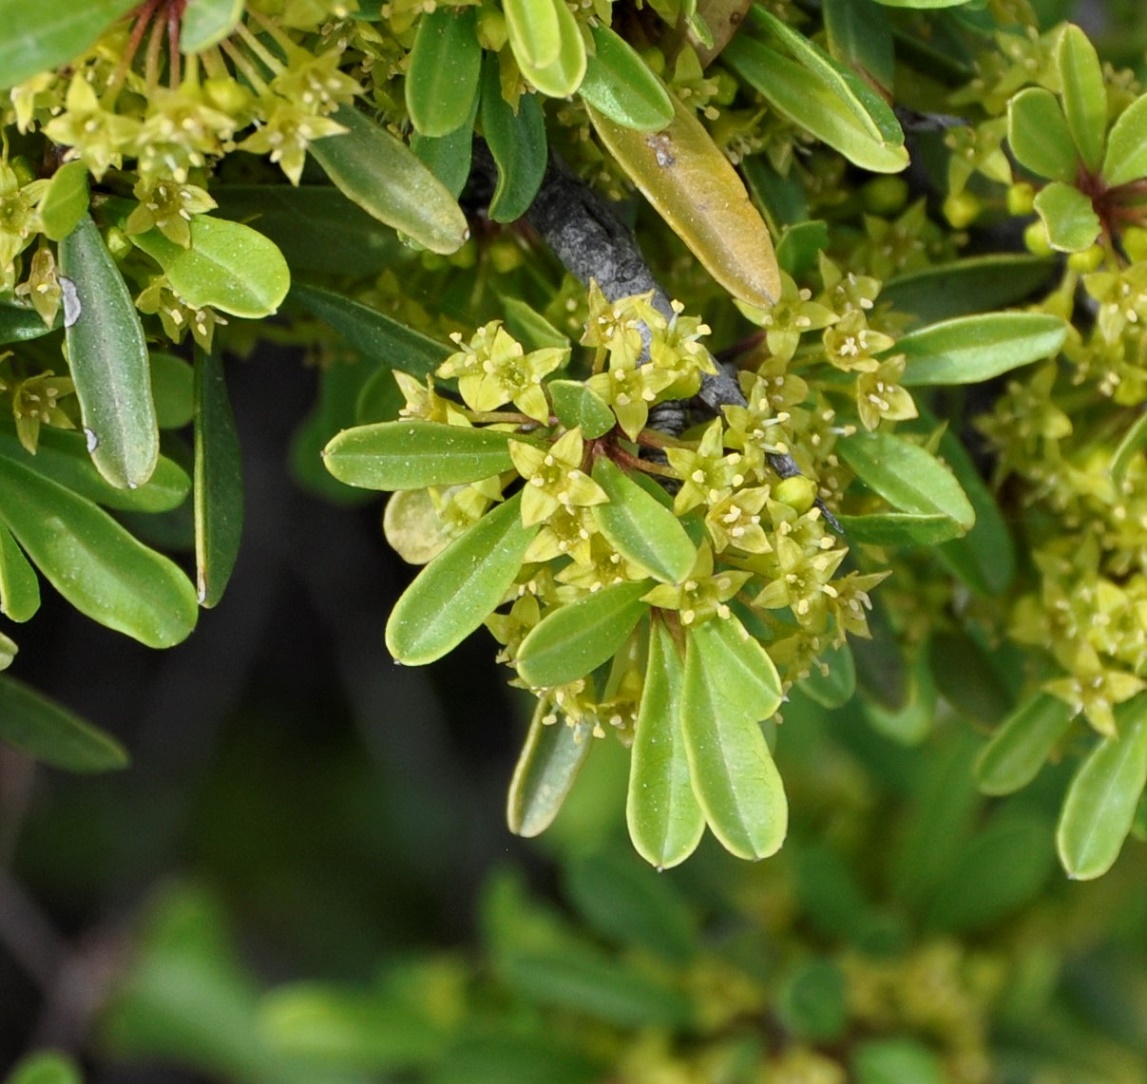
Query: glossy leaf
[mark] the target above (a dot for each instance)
(966, 676)
(218, 481)
(1039, 136)
(1022, 744)
(900, 529)
(1103, 795)
(207, 22)
(859, 34)
(93, 562)
(229, 267)
(19, 585)
(801, 245)
(459, 589)
(1071, 221)
(730, 686)
(1084, 94)
(39, 37)
(65, 200)
(691, 184)
(415, 454)
(45, 1067)
(372, 334)
(834, 685)
(547, 45)
(173, 389)
(664, 818)
(722, 19)
(549, 762)
(46, 730)
(535, 332)
(385, 178)
(62, 456)
(971, 349)
(8, 651)
(21, 323)
(579, 407)
(1126, 157)
(574, 640)
(912, 720)
(640, 528)
(963, 287)
(442, 74)
(517, 140)
(1133, 442)
(806, 99)
(108, 359)
(620, 85)
(449, 157)
(907, 476)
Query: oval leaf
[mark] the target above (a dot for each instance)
(46, 730)
(1022, 744)
(1101, 800)
(730, 685)
(572, 641)
(443, 71)
(1039, 136)
(971, 349)
(416, 454)
(1126, 158)
(173, 388)
(218, 482)
(229, 267)
(1133, 442)
(65, 200)
(207, 22)
(640, 528)
(107, 355)
(1084, 94)
(19, 586)
(1071, 221)
(45, 1067)
(900, 529)
(385, 178)
(620, 85)
(39, 37)
(550, 760)
(691, 184)
(93, 562)
(517, 140)
(832, 679)
(907, 476)
(547, 45)
(21, 323)
(459, 589)
(664, 818)
(579, 407)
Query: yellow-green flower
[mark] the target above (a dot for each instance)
(793, 314)
(708, 476)
(879, 394)
(554, 478)
(98, 136)
(36, 402)
(705, 594)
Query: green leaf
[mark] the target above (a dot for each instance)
(93, 562)
(19, 585)
(859, 35)
(579, 407)
(1104, 792)
(229, 267)
(8, 651)
(574, 640)
(1133, 442)
(517, 140)
(1039, 136)
(415, 454)
(962, 287)
(372, 334)
(1084, 94)
(620, 85)
(40, 37)
(922, 5)
(459, 589)
(971, 349)
(1126, 158)
(912, 720)
(65, 200)
(21, 323)
(900, 529)
(385, 178)
(664, 818)
(443, 70)
(1071, 221)
(207, 22)
(549, 762)
(966, 676)
(640, 528)
(107, 355)
(809, 101)
(63, 457)
(218, 481)
(315, 227)
(906, 476)
(45, 1067)
(535, 332)
(690, 183)
(527, 1058)
(173, 389)
(449, 157)
(547, 45)
(898, 1061)
(46, 730)
(812, 1003)
(801, 245)
(834, 685)
(1022, 744)
(730, 685)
